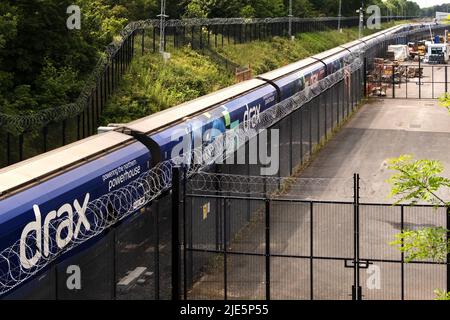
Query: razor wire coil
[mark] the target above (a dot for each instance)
(107, 210)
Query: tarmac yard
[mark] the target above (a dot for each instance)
(380, 130)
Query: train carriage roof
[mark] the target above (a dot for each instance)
(166, 117)
(329, 53)
(42, 166)
(290, 68)
(354, 45)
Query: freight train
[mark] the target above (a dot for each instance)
(45, 202)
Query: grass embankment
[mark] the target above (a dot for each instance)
(152, 85)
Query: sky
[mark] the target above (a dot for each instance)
(430, 3)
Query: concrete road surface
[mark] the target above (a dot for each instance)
(381, 129)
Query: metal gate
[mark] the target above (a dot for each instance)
(406, 80)
(253, 238)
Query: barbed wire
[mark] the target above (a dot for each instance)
(271, 187)
(19, 123)
(107, 210)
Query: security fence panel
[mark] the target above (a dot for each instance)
(290, 278)
(422, 280)
(41, 288)
(4, 152)
(33, 145)
(322, 103)
(284, 128)
(382, 278)
(332, 222)
(329, 111)
(306, 132)
(296, 133)
(204, 221)
(209, 278)
(378, 227)
(246, 277)
(290, 226)
(135, 256)
(239, 224)
(344, 100)
(164, 208)
(314, 117)
(289, 248)
(331, 280)
(381, 281)
(336, 102)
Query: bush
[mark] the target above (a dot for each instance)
(151, 85)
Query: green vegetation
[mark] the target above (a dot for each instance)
(152, 85)
(277, 8)
(264, 56)
(42, 63)
(45, 65)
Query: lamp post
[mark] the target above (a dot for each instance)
(339, 15)
(290, 19)
(361, 19)
(162, 26)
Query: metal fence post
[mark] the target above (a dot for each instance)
(184, 234)
(356, 288)
(64, 125)
(157, 240)
(310, 130)
(402, 227)
(393, 81)
(448, 254)
(267, 249)
(365, 77)
(446, 80)
(225, 246)
(432, 82)
(176, 179)
(311, 248)
(45, 133)
(420, 77)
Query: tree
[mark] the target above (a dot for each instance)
(34, 40)
(247, 12)
(198, 9)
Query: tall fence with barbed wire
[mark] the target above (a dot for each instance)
(25, 136)
(106, 211)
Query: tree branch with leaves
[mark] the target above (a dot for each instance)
(417, 181)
